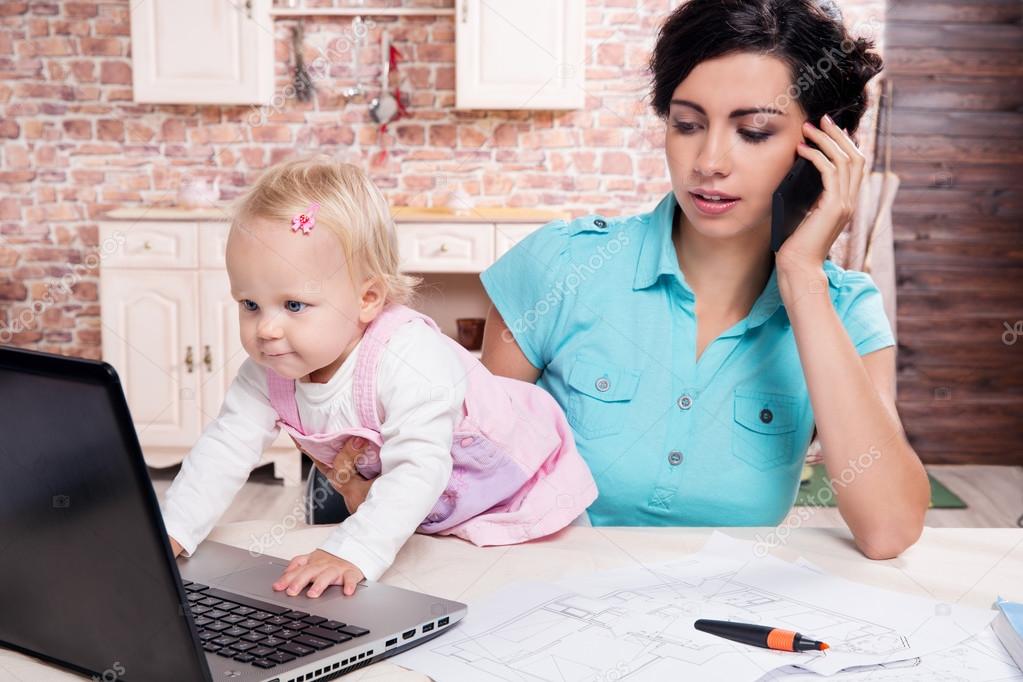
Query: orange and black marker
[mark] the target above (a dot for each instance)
(759, 635)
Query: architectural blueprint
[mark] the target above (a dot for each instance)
(636, 623)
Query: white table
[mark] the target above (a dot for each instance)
(969, 566)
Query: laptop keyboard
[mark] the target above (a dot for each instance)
(258, 632)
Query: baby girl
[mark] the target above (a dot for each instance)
(334, 354)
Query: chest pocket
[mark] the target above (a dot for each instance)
(600, 398)
(764, 429)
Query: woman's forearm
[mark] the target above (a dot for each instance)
(880, 484)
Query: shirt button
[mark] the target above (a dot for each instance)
(685, 401)
(675, 458)
(766, 416)
(600, 223)
(603, 384)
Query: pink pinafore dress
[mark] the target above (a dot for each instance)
(516, 473)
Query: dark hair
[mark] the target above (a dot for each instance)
(830, 69)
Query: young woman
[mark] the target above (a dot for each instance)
(692, 361)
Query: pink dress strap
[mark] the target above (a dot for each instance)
(282, 398)
(372, 346)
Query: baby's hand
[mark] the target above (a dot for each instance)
(320, 568)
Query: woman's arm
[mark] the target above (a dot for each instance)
(880, 484)
(501, 354)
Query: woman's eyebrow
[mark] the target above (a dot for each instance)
(735, 114)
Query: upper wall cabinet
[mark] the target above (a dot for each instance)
(526, 54)
(202, 51)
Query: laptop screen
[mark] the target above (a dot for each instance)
(86, 578)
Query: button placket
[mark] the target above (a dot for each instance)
(668, 480)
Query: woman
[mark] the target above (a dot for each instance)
(693, 363)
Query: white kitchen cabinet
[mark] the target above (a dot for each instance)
(150, 333)
(521, 54)
(170, 326)
(202, 51)
(170, 329)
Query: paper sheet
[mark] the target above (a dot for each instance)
(635, 623)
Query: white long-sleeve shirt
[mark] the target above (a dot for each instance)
(420, 390)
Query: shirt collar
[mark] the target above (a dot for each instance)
(657, 256)
(657, 253)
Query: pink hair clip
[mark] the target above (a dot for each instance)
(305, 221)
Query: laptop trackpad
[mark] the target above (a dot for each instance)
(258, 582)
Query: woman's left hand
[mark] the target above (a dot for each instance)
(344, 475)
(841, 165)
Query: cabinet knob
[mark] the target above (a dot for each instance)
(207, 359)
(189, 360)
(147, 246)
(444, 248)
(465, 11)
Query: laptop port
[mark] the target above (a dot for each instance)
(428, 627)
(442, 622)
(392, 642)
(409, 634)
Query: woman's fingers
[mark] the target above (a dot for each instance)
(350, 452)
(835, 154)
(829, 174)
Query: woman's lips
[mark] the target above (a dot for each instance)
(713, 208)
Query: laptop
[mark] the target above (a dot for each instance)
(88, 580)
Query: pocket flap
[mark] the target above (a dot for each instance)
(765, 412)
(604, 381)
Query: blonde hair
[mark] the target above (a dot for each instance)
(351, 207)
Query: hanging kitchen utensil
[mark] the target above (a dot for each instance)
(393, 57)
(358, 32)
(303, 84)
(384, 107)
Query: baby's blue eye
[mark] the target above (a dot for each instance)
(249, 305)
(294, 306)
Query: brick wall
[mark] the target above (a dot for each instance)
(75, 145)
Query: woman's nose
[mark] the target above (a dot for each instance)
(714, 157)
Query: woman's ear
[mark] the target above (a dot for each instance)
(372, 297)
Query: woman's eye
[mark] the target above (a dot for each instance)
(249, 305)
(294, 306)
(751, 136)
(754, 136)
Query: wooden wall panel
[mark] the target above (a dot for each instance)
(956, 126)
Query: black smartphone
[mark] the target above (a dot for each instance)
(792, 200)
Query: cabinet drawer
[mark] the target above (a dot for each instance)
(508, 235)
(213, 245)
(164, 244)
(439, 247)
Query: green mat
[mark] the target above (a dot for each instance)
(811, 492)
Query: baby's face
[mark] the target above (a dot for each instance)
(300, 312)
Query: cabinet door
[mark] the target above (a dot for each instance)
(221, 352)
(202, 51)
(150, 336)
(526, 54)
